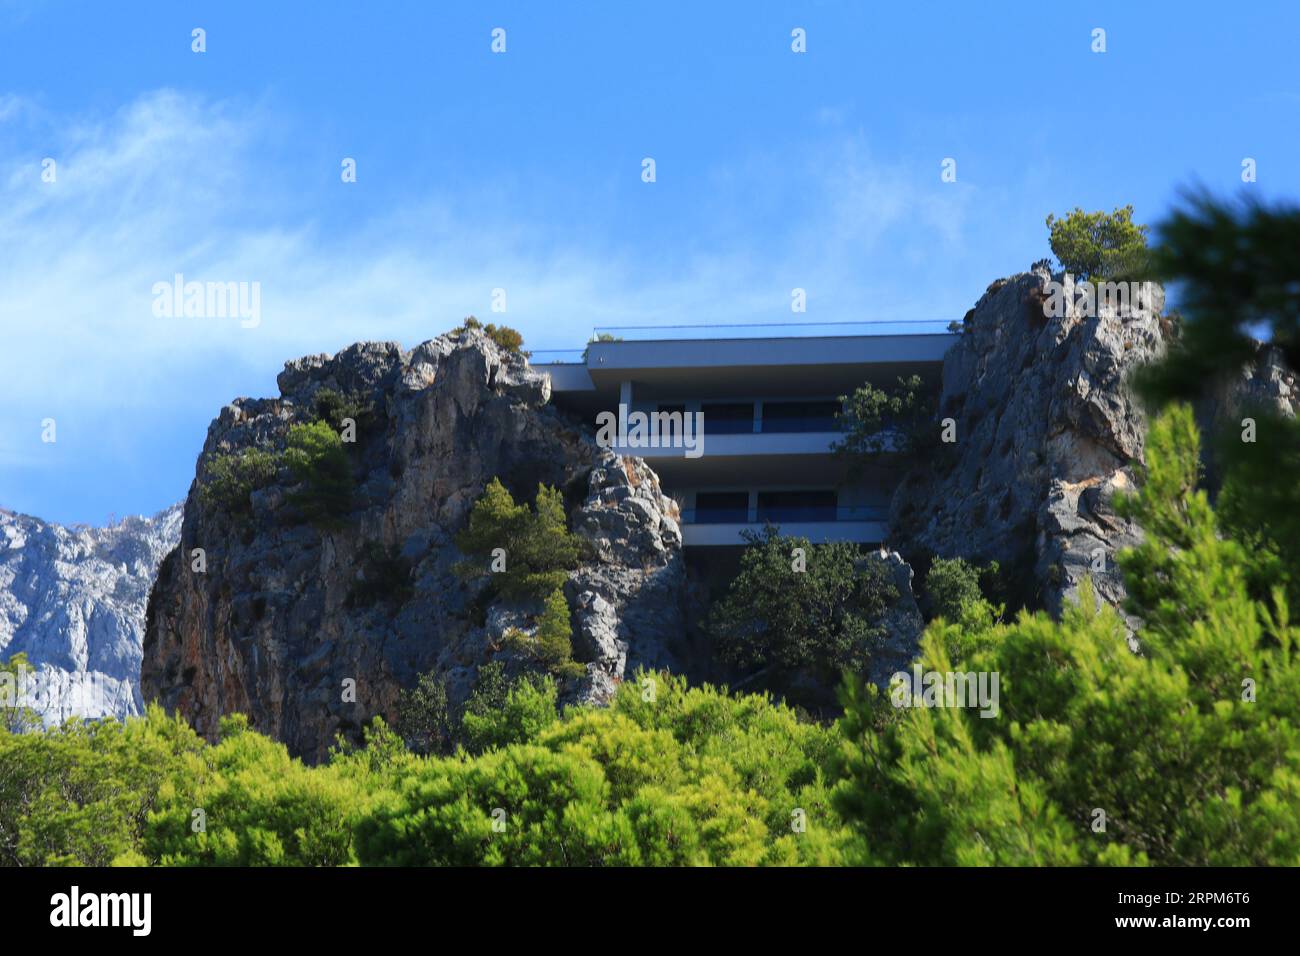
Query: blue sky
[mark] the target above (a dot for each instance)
(522, 171)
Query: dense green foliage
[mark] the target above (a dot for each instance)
(232, 477)
(954, 585)
(1098, 245)
(897, 420)
(1237, 271)
(528, 552)
(317, 459)
(83, 793)
(336, 408)
(1191, 749)
(667, 775)
(798, 609)
(551, 645)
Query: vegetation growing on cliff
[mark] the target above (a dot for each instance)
(897, 420)
(511, 340)
(528, 553)
(796, 609)
(232, 477)
(551, 644)
(316, 458)
(1098, 245)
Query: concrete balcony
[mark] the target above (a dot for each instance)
(721, 528)
(818, 532)
(744, 445)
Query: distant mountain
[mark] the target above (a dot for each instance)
(73, 600)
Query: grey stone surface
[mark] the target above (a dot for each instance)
(73, 600)
(270, 629)
(1047, 433)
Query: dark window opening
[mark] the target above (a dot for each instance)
(800, 416)
(778, 506)
(722, 507)
(728, 418)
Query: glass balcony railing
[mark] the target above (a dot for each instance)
(784, 515)
(672, 331)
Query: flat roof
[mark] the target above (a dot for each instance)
(786, 364)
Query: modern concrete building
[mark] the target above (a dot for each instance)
(768, 407)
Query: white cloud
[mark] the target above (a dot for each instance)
(172, 183)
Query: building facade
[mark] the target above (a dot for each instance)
(767, 407)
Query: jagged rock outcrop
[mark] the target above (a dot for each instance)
(902, 623)
(1267, 382)
(73, 600)
(1047, 432)
(630, 597)
(277, 624)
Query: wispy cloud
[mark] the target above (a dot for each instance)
(175, 184)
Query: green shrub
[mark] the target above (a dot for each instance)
(898, 421)
(503, 335)
(232, 477)
(538, 548)
(506, 337)
(424, 720)
(1191, 750)
(527, 708)
(954, 585)
(552, 644)
(336, 408)
(260, 807)
(786, 622)
(317, 459)
(1098, 245)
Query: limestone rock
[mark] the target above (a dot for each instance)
(278, 624)
(73, 600)
(1047, 432)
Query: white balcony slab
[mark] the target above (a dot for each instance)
(818, 532)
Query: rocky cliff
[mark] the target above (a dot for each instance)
(273, 625)
(1046, 433)
(73, 600)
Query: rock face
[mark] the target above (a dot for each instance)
(1268, 382)
(276, 626)
(73, 600)
(631, 596)
(902, 622)
(1047, 432)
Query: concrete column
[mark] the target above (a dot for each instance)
(625, 394)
